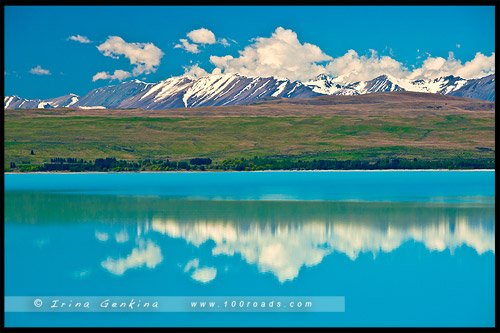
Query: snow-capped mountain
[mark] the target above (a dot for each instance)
(14, 102)
(384, 83)
(215, 90)
(483, 88)
(112, 96)
(233, 89)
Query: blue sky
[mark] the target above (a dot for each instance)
(41, 61)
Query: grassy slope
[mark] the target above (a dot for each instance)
(432, 136)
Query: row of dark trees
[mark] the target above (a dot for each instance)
(202, 164)
(380, 164)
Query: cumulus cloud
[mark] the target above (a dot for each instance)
(202, 36)
(117, 75)
(432, 67)
(38, 70)
(480, 66)
(281, 55)
(194, 71)
(144, 56)
(78, 38)
(360, 68)
(186, 45)
(199, 37)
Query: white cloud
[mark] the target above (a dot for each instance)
(216, 71)
(193, 48)
(202, 36)
(361, 68)
(117, 75)
(281, 55)
(199, 37)
(38, 70)
(78, 38)
(480, 66)
(195, 71)
(144, 56)
(221, 62)
(433, 67)
(101, 76)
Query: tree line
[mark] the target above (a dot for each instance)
(254, 164)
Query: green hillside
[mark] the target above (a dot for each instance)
(325, 137)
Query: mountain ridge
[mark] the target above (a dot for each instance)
(399, 103)
(236, 89)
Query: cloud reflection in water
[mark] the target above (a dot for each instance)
(283, 249)
(148, 255)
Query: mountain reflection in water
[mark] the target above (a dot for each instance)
(284, 248)
(279, 237)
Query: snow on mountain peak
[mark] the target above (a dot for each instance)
(236, 88)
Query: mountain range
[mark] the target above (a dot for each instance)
(236, 89)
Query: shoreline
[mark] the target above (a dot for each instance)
(354, 170)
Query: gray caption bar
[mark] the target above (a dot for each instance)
(174, 304)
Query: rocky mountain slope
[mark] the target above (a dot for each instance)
(236, 89)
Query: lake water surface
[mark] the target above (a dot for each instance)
(404, 248)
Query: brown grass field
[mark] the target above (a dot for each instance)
(367, 127)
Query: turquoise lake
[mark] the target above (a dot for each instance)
(404, 248)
